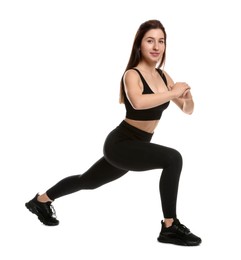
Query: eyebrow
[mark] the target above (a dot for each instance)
(149, 37)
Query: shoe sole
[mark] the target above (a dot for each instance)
(179, 242)
(32, 208)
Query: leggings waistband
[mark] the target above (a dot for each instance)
(135, 132)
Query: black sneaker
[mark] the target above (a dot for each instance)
(178, 234)
(44, 211)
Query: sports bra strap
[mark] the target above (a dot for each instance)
(158, 70)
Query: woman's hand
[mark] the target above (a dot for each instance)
(186, 95)
(181, 90)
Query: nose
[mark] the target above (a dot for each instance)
(156, 45)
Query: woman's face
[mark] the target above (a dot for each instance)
(153, 46)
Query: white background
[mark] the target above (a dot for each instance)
(61, 63)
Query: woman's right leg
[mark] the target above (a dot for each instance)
(99, 174)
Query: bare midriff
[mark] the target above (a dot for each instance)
(147, 126)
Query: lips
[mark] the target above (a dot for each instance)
(155, 54)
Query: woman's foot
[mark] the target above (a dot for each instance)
(44, 210)
(178, 234)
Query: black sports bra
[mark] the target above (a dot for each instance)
(154, 113)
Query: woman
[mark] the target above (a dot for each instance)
(146, 91)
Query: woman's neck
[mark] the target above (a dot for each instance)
(147, 68)
(151, 70)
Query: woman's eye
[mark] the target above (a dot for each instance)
(150, 41)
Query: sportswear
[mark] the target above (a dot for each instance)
(154, 113)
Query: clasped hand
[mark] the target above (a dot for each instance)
(181, 90)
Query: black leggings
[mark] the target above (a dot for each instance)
(129, 149)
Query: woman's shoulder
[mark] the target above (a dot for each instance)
(168, 77)
(132, 71)
(131, 74)
(132, 78)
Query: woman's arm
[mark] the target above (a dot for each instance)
(184, 101)
(134, 88)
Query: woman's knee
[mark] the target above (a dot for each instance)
(175, 157)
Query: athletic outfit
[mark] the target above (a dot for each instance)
(126, 148)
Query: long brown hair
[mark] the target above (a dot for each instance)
(135, 56)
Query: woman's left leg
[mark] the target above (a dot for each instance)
(136, 155)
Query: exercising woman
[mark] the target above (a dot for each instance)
(146, 91)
